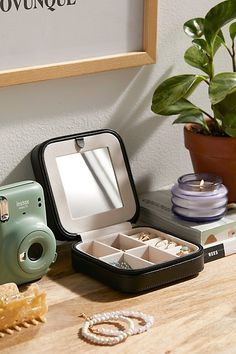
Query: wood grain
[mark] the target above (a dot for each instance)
(194, 316)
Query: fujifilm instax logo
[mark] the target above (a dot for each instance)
(23, 204)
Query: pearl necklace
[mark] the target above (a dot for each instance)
(106, 336)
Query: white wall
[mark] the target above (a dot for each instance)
(120, 100)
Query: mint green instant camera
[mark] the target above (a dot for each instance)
(27, 245)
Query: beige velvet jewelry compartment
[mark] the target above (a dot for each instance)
(120, 241)
(96, 249)
(127, 249)
(128, 259)
(162, 240)
(151, 254)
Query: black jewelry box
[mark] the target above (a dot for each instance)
(91, 198)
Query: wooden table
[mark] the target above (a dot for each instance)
(193, 316)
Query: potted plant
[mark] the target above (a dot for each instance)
(209, 136)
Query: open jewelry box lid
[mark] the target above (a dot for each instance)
(87, 182)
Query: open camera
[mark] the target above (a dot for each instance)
(27, 245)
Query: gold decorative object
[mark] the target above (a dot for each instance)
(20, 309)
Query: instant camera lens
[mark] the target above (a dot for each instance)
(35, 251)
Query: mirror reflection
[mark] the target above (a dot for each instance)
(89, 182)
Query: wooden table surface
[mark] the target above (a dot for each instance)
(193, 316)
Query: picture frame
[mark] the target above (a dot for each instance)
(29, 74)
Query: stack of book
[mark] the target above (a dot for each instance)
(218, 238)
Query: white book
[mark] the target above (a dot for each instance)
(219, 249)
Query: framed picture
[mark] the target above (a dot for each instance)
(50, 39)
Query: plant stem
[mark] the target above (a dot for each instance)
(206, 128)
(207, 82)
(212, 67)
(207, 114)
(233, 57)
(229, 51)
(215, 126)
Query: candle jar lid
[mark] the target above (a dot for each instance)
(200, 182)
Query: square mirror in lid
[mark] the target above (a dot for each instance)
(87, 181)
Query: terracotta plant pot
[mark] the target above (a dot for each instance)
(214, 155)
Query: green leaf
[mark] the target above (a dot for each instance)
(172, 90)
(194, 27)
(178, 107)
(198, 59)
(229, 124)
(231, 132)
(201, 44)
(216, 18)
(217, 113)
(193, 116)
(222, 85)
(225, 107)
(232, 30)
(219, 40)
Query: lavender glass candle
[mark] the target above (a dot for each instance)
(199, 197)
